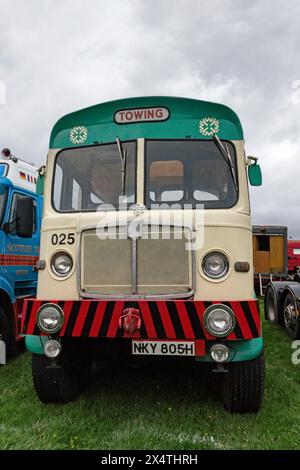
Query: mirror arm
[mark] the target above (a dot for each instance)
(251, 159)
(42, 170)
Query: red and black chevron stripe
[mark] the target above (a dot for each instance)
(160, 319)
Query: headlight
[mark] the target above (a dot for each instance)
(219, 352)
(219, 320)
(52, 349)
(61, 264)
(50, 318)
(215, 265)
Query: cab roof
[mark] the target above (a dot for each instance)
(22, 174)
(182, 118)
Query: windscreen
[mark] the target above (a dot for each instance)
(89, 177)
(189, 172)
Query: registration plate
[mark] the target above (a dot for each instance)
(168, 348)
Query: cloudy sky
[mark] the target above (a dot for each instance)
(57, 56)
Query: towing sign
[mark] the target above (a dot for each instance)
(128, 116)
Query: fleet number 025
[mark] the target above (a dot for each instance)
(63, 239)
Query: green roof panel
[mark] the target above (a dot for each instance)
(183, 118)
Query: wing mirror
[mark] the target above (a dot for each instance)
(254, 171)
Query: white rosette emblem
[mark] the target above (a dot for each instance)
(78, 134)
(209, 126)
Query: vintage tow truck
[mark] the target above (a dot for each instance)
(19, 244)
(146, 246)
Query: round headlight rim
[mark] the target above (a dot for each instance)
(52, 267)
(60, 323)
(222, 276)
(213, 308)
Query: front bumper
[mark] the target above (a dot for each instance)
(159, 319)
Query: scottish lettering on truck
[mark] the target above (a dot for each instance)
(146, 247)
(19, 242)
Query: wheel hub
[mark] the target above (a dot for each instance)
(289, 316)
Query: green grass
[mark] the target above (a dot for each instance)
(175, 406)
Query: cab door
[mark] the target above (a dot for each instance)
(20, 254)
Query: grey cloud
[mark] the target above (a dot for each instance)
(56, 57)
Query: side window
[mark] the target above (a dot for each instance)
(13, 212)
(263, 243)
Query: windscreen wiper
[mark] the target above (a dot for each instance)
(227, 157)
(123, 157)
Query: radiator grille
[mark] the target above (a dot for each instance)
(156, 263)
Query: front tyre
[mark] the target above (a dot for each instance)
(243, 386)
(61, 382)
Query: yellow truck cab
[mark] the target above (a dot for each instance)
(146, 246)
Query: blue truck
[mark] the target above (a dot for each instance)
(19, 246)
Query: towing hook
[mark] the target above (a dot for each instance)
(130, 321)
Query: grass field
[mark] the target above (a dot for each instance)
(173, 407)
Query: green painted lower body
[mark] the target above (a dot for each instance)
(240, 351)
(243, 350)
(35, 344)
